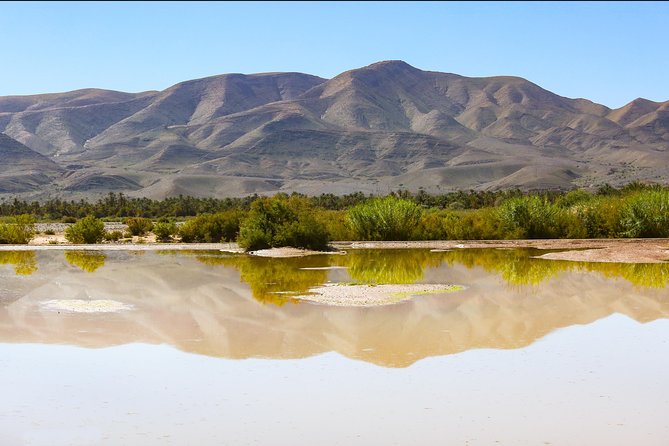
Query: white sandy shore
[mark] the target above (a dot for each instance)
(347, 295)
(289, 252)
(85, 306)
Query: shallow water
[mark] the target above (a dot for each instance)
(147, 348)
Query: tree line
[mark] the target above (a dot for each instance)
(636, 210)
(118, 205)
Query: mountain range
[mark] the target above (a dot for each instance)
(374, 129)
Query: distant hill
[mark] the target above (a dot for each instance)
(375, 129)
(24, 170)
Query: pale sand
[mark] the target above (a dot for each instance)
(289, 252)
(585, 250)
(85, 306)
(346, 295)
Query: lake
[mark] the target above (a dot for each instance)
(209, 348)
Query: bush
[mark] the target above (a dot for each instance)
(165, 230)
(87, 230)
(138, 225)
(387, 218)
(571, 198)
(212, 228)
(18, 230)
(479, 224)
(434, 225)
(282, 221)
(645, 214)
(529, 217)
(335, 223)
(113, 236)
(49, 232)
(68, 220)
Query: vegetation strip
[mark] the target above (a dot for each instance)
(635, 211)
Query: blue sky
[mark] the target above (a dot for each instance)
(609, 52)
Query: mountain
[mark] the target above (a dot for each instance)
(378, 128)
(24, 169)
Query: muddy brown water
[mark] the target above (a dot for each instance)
(205, 347)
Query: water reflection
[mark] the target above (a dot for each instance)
(207, 303)
(25, 262)
(88, 261)
(519, 267)
(273, 280)
(389, 266)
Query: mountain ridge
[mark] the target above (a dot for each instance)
(378, 128)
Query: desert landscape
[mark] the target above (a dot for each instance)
(373, 129)
(356, 223)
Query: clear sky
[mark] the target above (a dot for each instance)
(609, 52)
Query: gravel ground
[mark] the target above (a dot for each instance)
(61, 227)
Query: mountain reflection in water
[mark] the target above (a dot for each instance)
(220, 304)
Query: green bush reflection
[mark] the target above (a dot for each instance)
(274, 280)
(387, 266)
(271, 280)
(24, 262)
(86, 260)
(517, 267)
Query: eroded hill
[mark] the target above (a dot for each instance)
(378, 128)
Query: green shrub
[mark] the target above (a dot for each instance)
(139, 225)
(252, 236)
(387, 218)
(165, 230)
(68, 219)
(113, 236)
(645, 214)
(433, 225)
(479, 224)
(600, 217)
(335, 223)
(212, 228)
(282, 221)
(17, 230)
(87, 230)
(529, 217)
(49, 232)
(574, 197)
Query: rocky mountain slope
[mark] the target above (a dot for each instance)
(378, 128)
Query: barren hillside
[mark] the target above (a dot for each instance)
(375, 129)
